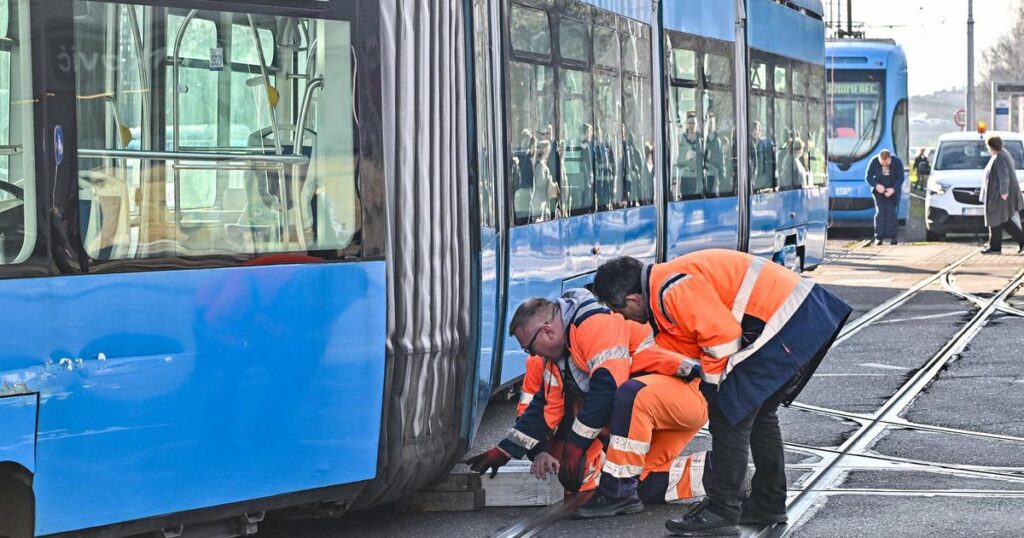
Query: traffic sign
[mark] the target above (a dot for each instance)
(960, 118)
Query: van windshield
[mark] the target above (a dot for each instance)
(974, 155)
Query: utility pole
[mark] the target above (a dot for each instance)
(970, 65)
(849, 18)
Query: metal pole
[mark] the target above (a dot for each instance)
(970, 65)
(849, 18)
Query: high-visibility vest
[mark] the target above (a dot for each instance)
(724, 308)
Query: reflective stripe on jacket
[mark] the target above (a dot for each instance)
(724, 307)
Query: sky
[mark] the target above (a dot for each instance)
(933, 34)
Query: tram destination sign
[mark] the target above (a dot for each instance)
(1009, 87)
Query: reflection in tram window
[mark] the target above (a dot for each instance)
(248, 156)
(637, 126)
(577, 143)
(686, 179)
(720, 127)
(17, 156)
(608, 150)
(534, 198)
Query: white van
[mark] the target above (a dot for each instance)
(953, 202)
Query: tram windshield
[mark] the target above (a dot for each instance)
(974, 155)
(214, 133)
(857, 118)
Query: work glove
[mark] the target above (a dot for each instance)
(491, 460)
(574, 466)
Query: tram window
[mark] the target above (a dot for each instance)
(816, 151)
(800, 151)
(684, 64)
(576, 145)
(485, 155)
(261, 186)
(779, 80)
(759, 76)
(720, 132)
(717, 69)
(720, 127)
(763, 150)
(608, 173)
(900, 136)
(799, 82)
(530, 32)
(606, 48)
(638, 136)
(636, 53)
(574, 41)
(687, 176)
(17, 157)
(533, 157)
(783, 139)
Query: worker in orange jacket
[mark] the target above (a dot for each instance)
(589, 355)
(759, 331)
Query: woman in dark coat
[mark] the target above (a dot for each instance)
(1002, 196)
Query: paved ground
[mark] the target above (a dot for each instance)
(961, 474)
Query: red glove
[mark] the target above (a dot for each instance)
(490, 460)
(574, 465)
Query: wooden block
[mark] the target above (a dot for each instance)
(456, 482)
(515, 486)
(432, 501)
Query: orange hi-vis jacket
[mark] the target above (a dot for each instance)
(753, 325)
(605, 350)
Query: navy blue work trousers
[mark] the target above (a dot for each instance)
(885, 215)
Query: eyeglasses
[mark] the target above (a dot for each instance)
(528, 348)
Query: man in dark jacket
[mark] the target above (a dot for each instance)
(885, 176)
(1002, 196)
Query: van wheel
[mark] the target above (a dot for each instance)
(934, 236)
(17, 508)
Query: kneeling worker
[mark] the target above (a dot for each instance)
(585, 355)
(760, 331)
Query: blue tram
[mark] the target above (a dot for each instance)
(262, 254)
(868, 112)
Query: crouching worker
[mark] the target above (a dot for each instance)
(585, 354)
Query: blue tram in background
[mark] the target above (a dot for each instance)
(868, 112)
(263, 254)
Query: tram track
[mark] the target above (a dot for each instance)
(831, 471)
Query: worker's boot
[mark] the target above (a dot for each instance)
(753, 515)
(602, 506)
(701, 521)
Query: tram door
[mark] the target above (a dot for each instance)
(490, 197)
(702, 195)
(209, 147)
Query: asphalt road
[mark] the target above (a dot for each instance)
(913, 481)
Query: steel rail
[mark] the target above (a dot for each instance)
(831, 471)
(947, 282)
(881, 310)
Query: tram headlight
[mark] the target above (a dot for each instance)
(938, 188)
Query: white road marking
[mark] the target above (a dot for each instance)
(884, 366)
(930, 316)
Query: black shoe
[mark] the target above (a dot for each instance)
(602, 506)
(701, 521)
(878, 241)
(892, 242)
(987, 250)
(752, 516)
(1020, 248)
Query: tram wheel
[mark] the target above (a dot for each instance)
(17, 508)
